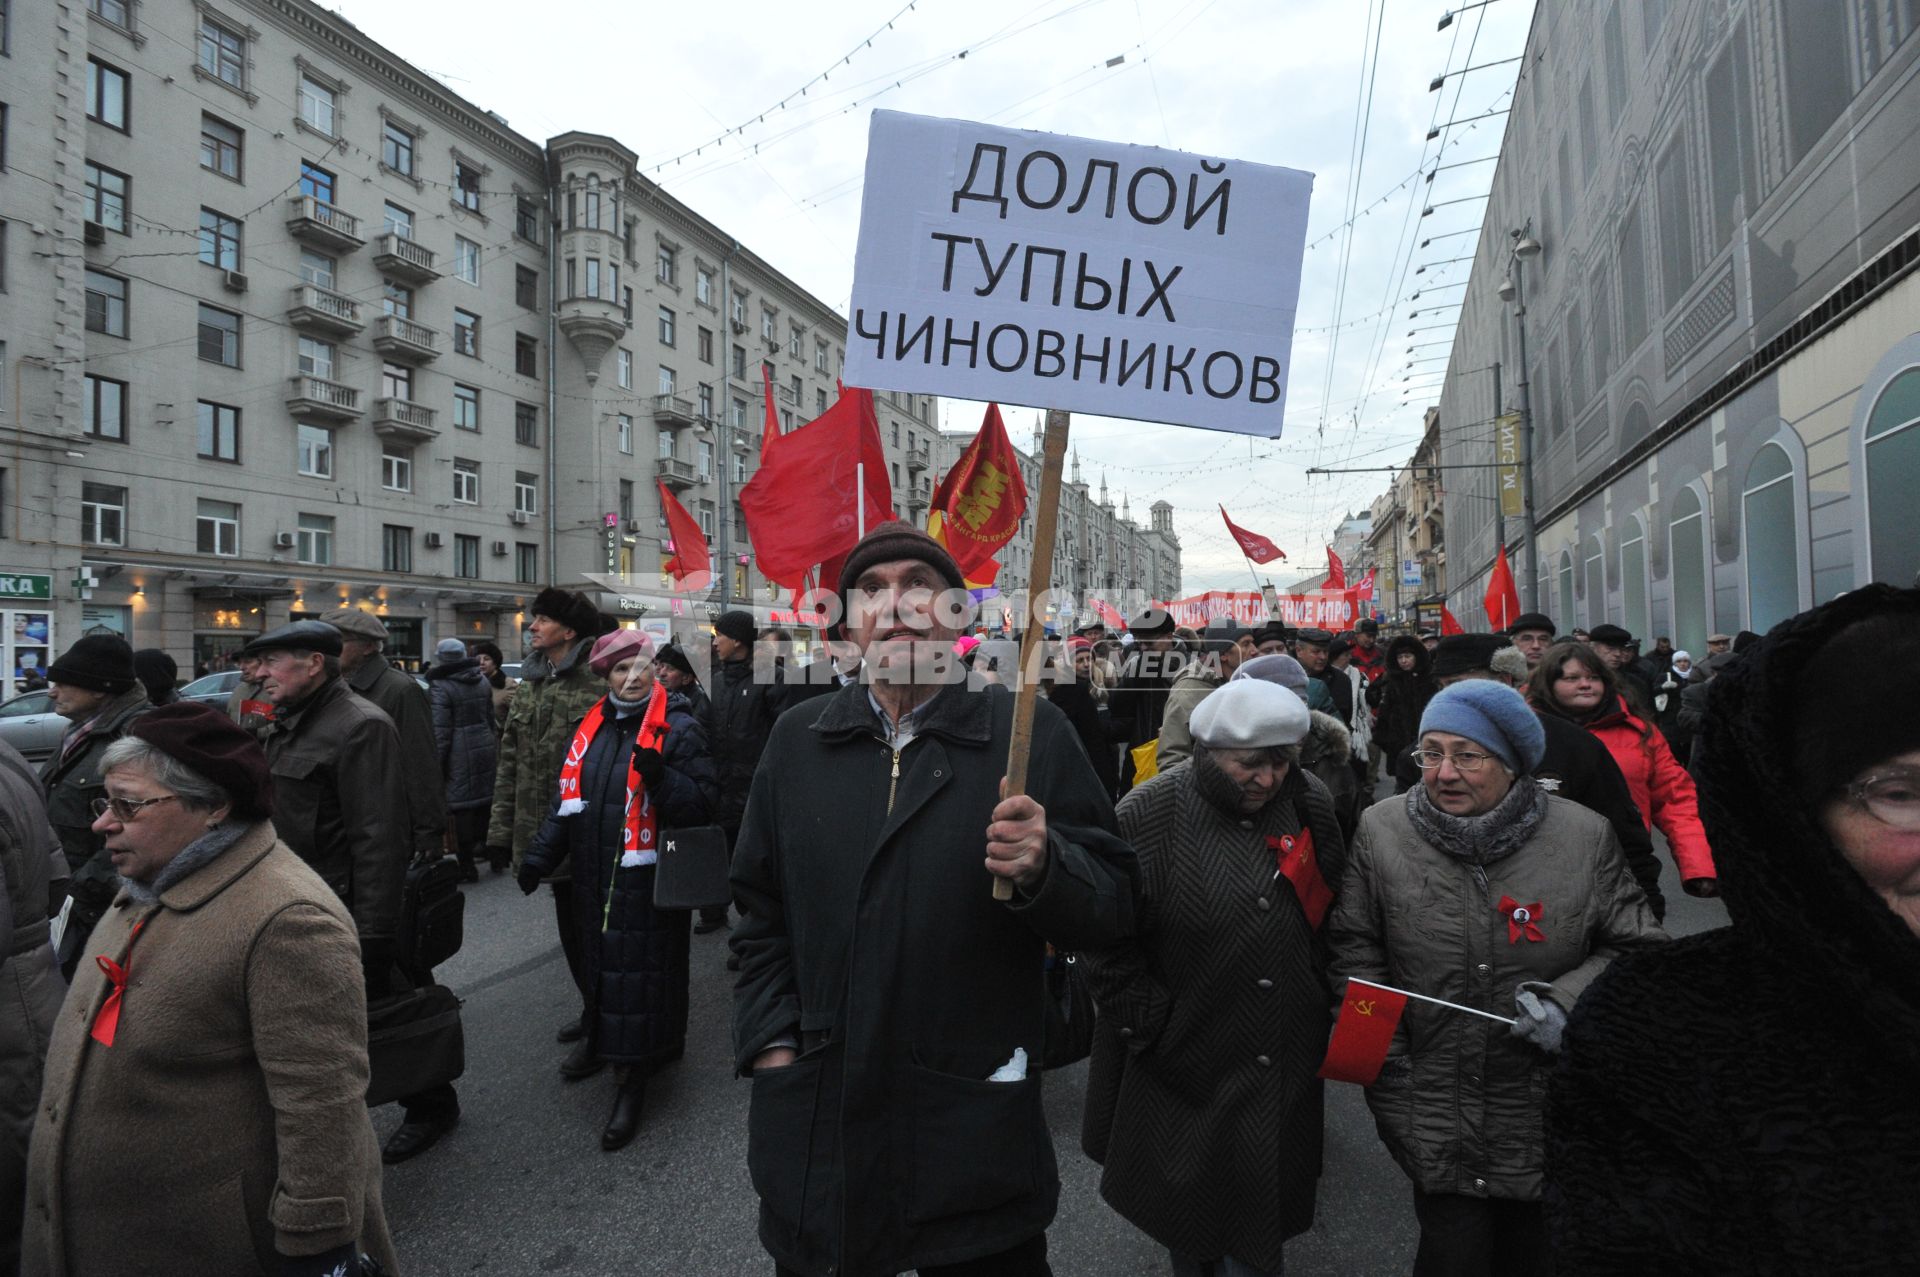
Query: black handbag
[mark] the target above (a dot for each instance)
(1067, 1037)
(414, 1041)
(693, 869)
(432, 917)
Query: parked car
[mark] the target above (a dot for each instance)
(213, 689)
(28, 723)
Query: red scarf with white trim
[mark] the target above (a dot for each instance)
(640, 831)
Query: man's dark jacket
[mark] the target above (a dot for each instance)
(738, 724)
(405, 702)
(1577, 766)
(870, 933)
(339, 801)
(71, 782)
(465, 744)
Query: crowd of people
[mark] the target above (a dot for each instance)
(1228, 830)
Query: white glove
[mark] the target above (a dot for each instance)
(1541, 1021)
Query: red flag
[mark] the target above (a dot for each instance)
(1293, 854)
(1365, 588)
(1110, 618)
(1252, 544)
(1336, 572)
(770, 431)
(800, 503)
(653, 727)
(1447, 624)
(982, 499)
(691, 566)
(1503, 601)
(1368, 1016)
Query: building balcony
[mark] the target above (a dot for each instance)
(403, 421)
(398, 337)
(918, 459)
(309, 396)
(592, 325)
(323, 310)
(403, 259)
(673, 411)
(675, 473)
(317, 222)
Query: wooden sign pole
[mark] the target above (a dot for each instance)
(1039, 584)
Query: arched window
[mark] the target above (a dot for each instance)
(1893, 479)
(1566, 621)
(1594, 569)
(1771, 522)
(1687, 570)
(1633, 579)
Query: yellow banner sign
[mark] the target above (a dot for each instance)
(1506, 454)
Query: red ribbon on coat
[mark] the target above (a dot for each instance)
(1522, 920)
(106, 1021)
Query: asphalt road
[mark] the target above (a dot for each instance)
(521, 1186)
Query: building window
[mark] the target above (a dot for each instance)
(706, 402)
(1672, 183)
(466, 408)
(740, 362)
(766, 326)
(316, 358)
(220, 240)
(219, 431)
(107, 93)
(526, 218)
(217, 528)
(626, 369)
(666, 326)
(526, 563)
(739, 468)
(106, 408)
(819, 401)
(466, 333)
(526, 288)
(103, 514)
(526, 493)
(1733, 166)
(737, 413)
(1633, 578)
(314, 541)
(395, 220)
(1892, 464)
(219, 336)
(592, 278)
(739, 312)
(592, 204)
(794, 334)
(1770, 516)
(466, 186)
(396, 382)
(395, 299)
(1816, 46)
(466, 481)
(526, 424)
(106, 303)
(706, 521)
(526, 355)
(396, 469)
(1633, 283)
(666, 380)
(316, 182)
(796, 390)
(703, 286)
(316, 105)
(1687, 571)
(220, 147)
(466, 260)
(664, 445)
(1566, 585)
(315, 445)
(623, 433)
(705, 345)
(704, 467)
(107, 198)
(396, 548)
(118, 12)
(820, 356)
(396, 149)
(1595, 570)
(223, 53)
(666, 265)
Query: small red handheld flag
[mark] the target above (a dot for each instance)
(1368, 1016)
(1503, 600)
(691, 566)
(1336, 572)
(653, 727)
(1293, 854)
(1447, 624)
(1252, 544)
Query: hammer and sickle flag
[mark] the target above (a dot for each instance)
(977, 508)
(1369, 1015)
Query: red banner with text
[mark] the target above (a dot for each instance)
(1333, 610)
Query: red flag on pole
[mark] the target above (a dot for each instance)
(691, 566)
(1293, 854)
(1252, 544)
(800, 503)
(1365, 588)
(1447, 624)
(1336, 572)
(1108, 617)
(980, 502)
(1368, 1016)
(1503, 600)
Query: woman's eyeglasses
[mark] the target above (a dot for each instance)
(125, 809)
(1465, 764)
(1893, 797)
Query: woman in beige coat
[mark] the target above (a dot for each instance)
(204, 1109)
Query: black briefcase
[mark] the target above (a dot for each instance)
(693, 869)
(414, 1041)
(433, 916)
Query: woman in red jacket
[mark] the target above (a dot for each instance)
(1574, 683)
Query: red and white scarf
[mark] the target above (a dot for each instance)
(639, 834)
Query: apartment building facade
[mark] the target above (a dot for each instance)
(1697, 269)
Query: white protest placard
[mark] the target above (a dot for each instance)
(1061, 272)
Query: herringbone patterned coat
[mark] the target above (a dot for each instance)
(1202, 1099)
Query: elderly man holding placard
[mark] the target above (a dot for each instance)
(890, 1009)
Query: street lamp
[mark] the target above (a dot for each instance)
(1513, 290)
(1444, 76)
(1447, 17)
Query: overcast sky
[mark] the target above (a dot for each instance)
(1273, 81)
